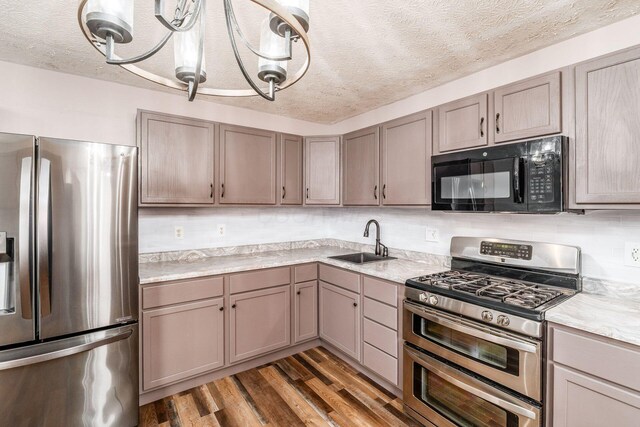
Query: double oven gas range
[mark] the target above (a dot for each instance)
(474, 335)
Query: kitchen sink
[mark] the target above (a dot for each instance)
(361, 258)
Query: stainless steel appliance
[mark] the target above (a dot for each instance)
(68, 283)
(474, 336)
(524, 177)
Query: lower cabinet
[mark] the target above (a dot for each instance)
(306, 311)
(259, 322)
(182, 341)
(340, 318)
(594, 381)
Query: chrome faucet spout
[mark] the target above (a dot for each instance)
(378, 250)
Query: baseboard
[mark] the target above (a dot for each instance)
(153, 395)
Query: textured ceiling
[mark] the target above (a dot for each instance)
(365, 53)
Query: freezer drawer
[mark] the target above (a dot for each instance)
(88, 380)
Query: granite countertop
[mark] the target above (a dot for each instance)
(601, 315)
(398, 270)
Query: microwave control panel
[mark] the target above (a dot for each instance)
(506, 250)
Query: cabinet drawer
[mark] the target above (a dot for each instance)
(305, 273)
(179, 292)
(587, 354)
(381, 313)
(381, 363)
(379, 290)
(260, 279)
(379, 336)
(344, 279)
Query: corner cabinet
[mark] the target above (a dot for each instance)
(406, 160)
(247, 166)
(176, 160)
(607, 145)
(322, 170)
(585, 391)
(361, 167)
(290, 158)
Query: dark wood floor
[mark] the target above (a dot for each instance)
(311, 388)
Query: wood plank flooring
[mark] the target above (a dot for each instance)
(313, 388)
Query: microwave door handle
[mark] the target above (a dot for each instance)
(518, 164)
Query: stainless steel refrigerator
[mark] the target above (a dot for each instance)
(68, 283)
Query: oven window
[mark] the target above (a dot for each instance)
(459, 406)
(496, 185)
(495, 355)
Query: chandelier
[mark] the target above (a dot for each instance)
(108, 23)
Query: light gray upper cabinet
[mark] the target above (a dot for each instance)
(176, 160)
(260, 322)
(463, 124)
(322, 170)
(290, 188)
(247, 166)
(406, 160)
(607, 145)
(587, 392)
(361, 167)
(527, 109)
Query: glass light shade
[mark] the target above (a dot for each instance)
(271, 44)
(185, 54)
(110, 17)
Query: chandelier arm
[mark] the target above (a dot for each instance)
(288, 55)
(171, 25)
(193, 86)
(115, 60)
(271, 95)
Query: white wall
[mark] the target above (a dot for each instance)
(601, 235)
(47, 103)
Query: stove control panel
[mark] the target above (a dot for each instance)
(506, 250)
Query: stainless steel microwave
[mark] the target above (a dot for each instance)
(523, 177)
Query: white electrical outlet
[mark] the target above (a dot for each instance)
(432, 235)
(632, 254)
(221, 230)
(179, 232)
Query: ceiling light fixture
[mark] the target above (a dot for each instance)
(107, 23)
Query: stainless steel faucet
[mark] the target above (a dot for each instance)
(380, 248)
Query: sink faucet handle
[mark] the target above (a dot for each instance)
(385, 250)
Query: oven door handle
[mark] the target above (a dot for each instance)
(460, 325)
(452, 376)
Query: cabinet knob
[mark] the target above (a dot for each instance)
(233, 306)
(221, 308)
(298, 293)
(355, 304)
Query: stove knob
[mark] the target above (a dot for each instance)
(423, 297)
(487, 316)
(503, 320)
(433, 300)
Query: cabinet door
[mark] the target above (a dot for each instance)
(322, 170)
(406, 160)
(528, 109)
(260, 322)
(290, 170)
(580, 400)
(607, 129)
(306, 311)
(181, 341)
(361, 167)
(463, 124)
(176, 160)
(247, 166)
(340, 319)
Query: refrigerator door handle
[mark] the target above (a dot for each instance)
(24, 231)
(44, 236)
(57, 349)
